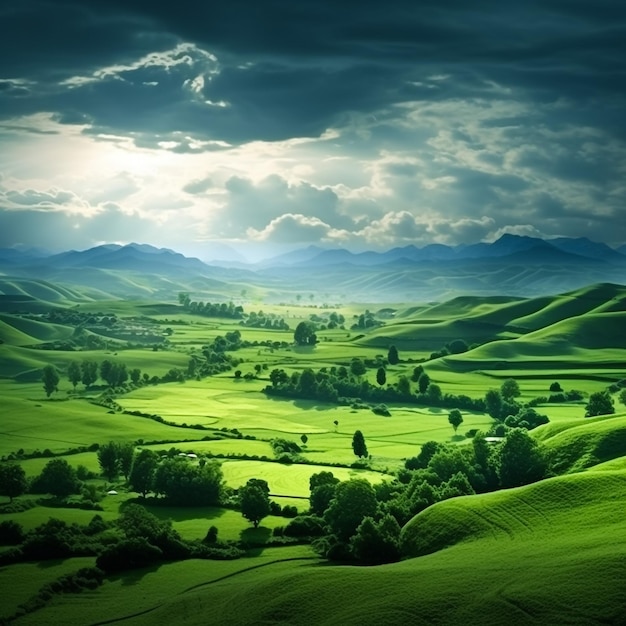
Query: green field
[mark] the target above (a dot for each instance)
(551, 552)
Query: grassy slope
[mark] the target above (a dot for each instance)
(541, 558)
(535, 555)
(580, 444)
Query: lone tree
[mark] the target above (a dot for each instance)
(50, 378)
(304, 438)
(74, 375)
(358, 444)
(392, 355)
(304, 334)
(381, 376)
(455, 418)
(13, 481)
(600, 403)
(510, 389)
(254, 500)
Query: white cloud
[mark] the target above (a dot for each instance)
(290, 228)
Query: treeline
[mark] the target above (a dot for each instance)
(346, 386)
(271, 321)
(208, 309)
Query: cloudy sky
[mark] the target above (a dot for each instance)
(354, 124)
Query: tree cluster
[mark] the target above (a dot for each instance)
(346, 385)
(206, 309)
(270, 321)
(362, 522)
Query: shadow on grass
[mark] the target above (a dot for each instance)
(134, 576)
(305, 405)
(254, 540)
(50, 563)
(164, 510)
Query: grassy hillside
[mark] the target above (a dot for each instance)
(539, 555)
(577, 445)
(570, 505)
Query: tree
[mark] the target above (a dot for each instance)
(377, 542)
(555, 387)
(50, 378)
(493, 403)
(58, 478)
(357, 367)
(13, 481)
(354, 499)
(381, 376)
(125, 457)
(74, 374)
(358, 444)
(600, 403)
(307, 384)
(423, 382)
(417, 372)
(520, 459)
(89, 371)
(322, 486)
(404, 385)
(457, 346)
(509, 389)
(142, 473)
(135, 375)
(427, 451)
(392, 355)
(304, 438)
(106, 368)
(304, 334)
(254, 501)
(622, 396)
(108, 460)
(189, 485)
(455, 418)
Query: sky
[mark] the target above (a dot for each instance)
(269, 125)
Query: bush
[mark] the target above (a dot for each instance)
(11, 533)
(305, 526)
(289, 511)
(381, 409)
(128, 554)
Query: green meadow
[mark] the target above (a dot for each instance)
(550, 552)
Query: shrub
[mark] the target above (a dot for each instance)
(11, 533)
(128, 554)
(381, 409)
(305, 526)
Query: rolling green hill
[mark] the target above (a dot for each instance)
(549, 553)
(478, 320)
(577, 445)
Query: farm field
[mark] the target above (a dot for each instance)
(229, 415)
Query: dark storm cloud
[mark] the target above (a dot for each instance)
(296, 68)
